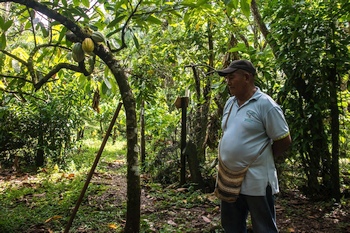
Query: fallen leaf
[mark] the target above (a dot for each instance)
(53, 218)
(112, 226)
(206, 219)
(181, 189)
(171, 222)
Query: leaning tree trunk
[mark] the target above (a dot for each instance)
(264, 30)
(133, 176)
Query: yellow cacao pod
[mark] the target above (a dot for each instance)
(88, 45)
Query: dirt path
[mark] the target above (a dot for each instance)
(295, 213)
(180, 208)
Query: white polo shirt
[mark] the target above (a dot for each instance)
(249, 127)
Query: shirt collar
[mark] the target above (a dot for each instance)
(255, 96)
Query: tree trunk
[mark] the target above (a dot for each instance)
(133, 171)
(143, 140)
(335, 180)
(193, 164)
(133, 175)
(316, 156)
(259, 21)
(39, 157)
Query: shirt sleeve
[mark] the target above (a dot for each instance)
(276, 125)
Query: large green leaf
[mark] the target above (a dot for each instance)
(240, 47)
(7, 25)
(153, 19)
(2, 41)
(86, 3)
(245, 7)
(115, 21)
(2, 22)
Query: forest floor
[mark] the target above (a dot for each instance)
(295, 212)
(166, 209)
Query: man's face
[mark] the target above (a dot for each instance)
(237, 83)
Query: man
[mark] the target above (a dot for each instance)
(251, 119)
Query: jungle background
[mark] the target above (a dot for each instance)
(158, 59)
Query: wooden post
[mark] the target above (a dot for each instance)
(143, 140)
(182, 102)
(92, 170)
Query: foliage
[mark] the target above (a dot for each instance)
(48, 197)
(46, 125)
(156, 43)
(313, 47)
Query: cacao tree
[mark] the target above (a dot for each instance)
(311, 49)
(64, 28)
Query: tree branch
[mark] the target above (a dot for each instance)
(19, 95)
(266, 33)
(124, 30)
(15, 77)
(14, 57)
(55, 70)
(69, 24)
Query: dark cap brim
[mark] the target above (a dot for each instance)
(226, 71)
(236, 65)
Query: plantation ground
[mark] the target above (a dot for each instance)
(174, 210)
(43, 202)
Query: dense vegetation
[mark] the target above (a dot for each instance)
(154, 52)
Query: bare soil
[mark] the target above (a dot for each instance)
(295, 212)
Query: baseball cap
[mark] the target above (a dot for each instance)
(236, 65)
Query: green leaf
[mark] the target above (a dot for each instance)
(62, 34)
(1, 22)
(136, 41)
(189, 3)
(235, 4)
(86, 3)
(240, 47)
(104, 88)
(64, 2)
(108, 84)
(76, 2)
(245, 7)
(2, 41)
(231, 4)
(44, 30)
(154, 20)
(7, 25)
(79, 12)
(115, 21)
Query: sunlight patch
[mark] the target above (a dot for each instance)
(136, 170)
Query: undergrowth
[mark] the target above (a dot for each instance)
(43, 202)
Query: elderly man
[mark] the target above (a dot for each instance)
(255, 133)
